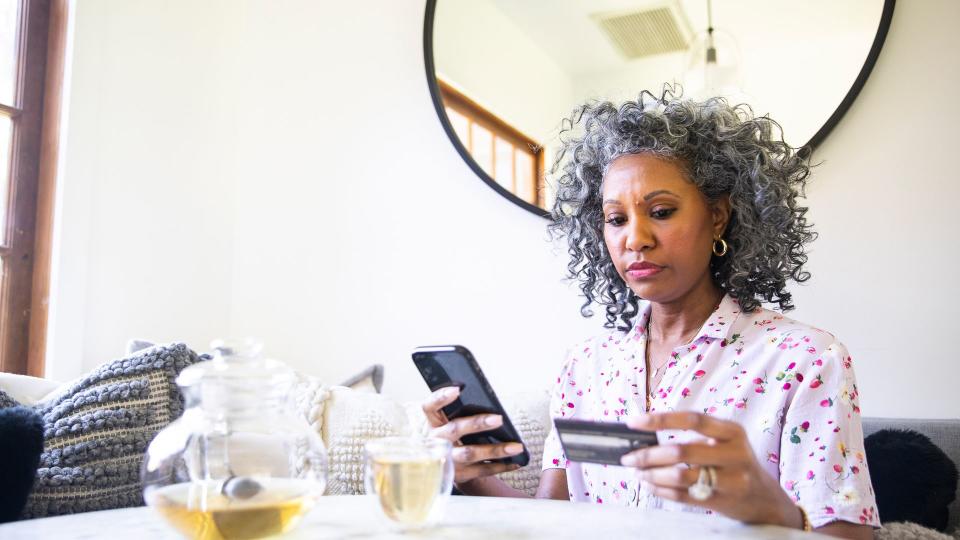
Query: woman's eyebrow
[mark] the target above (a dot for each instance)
(653, 194)
(646, 197)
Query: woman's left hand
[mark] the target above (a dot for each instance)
(743, 490)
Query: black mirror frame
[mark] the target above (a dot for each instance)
(885, 19)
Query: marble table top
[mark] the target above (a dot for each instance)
(466, 518)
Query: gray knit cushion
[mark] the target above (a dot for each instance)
(97, 431)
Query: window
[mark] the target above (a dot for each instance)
(24, 33)
(508, 156)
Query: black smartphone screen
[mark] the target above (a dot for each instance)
(454, 365)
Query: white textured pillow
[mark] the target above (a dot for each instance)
(530, 414)
(27, 390)
(309, 397)
(351, 418)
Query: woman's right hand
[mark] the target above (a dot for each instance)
(469, 460)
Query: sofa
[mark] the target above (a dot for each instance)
(346, 417)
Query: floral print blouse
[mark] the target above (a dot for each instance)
(791, 386)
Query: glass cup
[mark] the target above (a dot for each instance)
(410, 478)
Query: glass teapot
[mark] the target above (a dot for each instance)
(239, 463)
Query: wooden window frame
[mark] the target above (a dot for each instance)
(32, 177)
(476, 113)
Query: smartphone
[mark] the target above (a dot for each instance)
(453, 365)
(600, 442)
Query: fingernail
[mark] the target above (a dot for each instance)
(513, 449)
(451, 391)
(514, 467)
(493, 420)
(628, 460)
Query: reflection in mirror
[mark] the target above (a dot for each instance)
(509, 71)
(512, 159)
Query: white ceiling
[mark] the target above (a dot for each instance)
(566, 32)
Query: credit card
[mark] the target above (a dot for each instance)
(600, 442)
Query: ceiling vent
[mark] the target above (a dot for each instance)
(661, 28)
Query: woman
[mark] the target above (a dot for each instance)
(681, 217)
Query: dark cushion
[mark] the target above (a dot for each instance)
(913, 479)
(98, 430)
(21, 441)
(944, 433)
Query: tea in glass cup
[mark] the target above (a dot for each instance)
(410, 478)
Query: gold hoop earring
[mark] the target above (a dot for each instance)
(723, 247)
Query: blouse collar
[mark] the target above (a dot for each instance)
(718, 325)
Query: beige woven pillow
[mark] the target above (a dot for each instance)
(350, 418)
(530, 414)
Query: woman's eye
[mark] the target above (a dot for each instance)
(616, 221)
(662, 213)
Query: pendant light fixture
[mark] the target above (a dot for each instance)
(712, 64)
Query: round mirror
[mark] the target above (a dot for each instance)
(504, 73)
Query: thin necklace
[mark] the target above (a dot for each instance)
(653, 381)
(684, 339)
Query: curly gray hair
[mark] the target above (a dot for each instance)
(723, 149)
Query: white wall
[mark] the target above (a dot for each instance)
(306, 193)
(144, 225)
(322, 207)
(885, 203)
(360, 232)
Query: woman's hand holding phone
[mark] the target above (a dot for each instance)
(470, 461)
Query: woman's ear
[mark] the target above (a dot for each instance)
(720, 211)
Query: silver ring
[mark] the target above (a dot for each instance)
(702, 489)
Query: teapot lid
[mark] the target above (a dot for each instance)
(236, 371)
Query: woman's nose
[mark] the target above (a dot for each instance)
(639, 237)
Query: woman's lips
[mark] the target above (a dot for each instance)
(641, 270)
